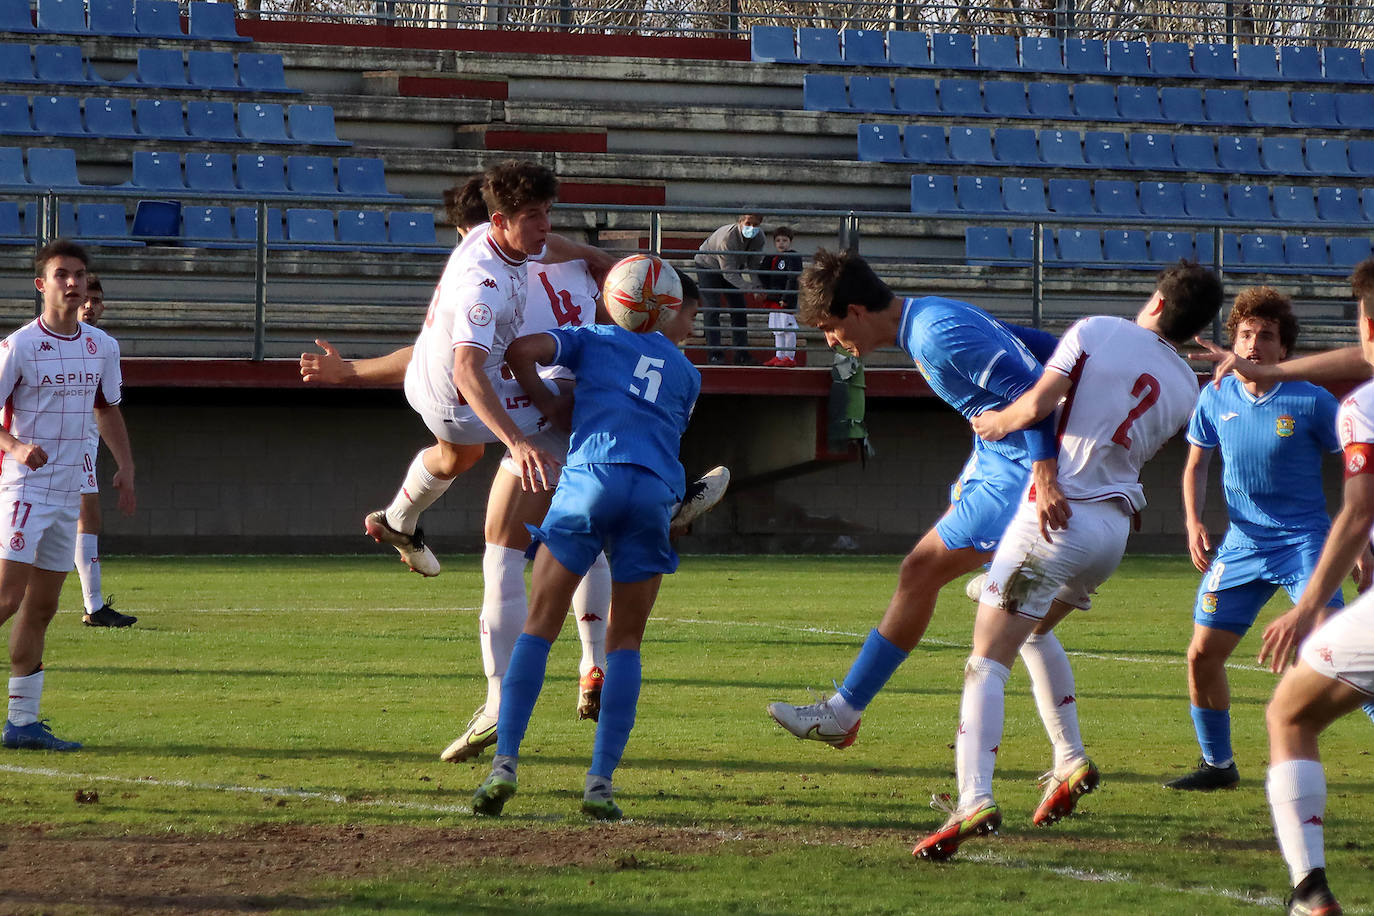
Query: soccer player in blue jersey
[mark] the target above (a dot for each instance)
(974, 363)
(1272, 437)
(633, 397)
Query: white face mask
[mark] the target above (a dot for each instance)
(749, 232)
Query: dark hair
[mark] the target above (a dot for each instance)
(1362, 283)
(59, 248)
(784, 230)
(93, 284)
(690, 290)
(1264, 303)
(464, 205)
(1192, 297)
(512, 185)
(833, 282)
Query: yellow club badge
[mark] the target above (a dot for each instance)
(1284, 426)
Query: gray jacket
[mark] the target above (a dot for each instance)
(729, 254)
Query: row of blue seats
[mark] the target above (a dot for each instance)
(1127, 248)
(163, 119)
(1231, 203)
(927, 144)
(967, 98)
(157, 68)
(153, 19)
(1002, 53)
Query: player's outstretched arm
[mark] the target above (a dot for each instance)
(1345, 364)
(110, 420)
(1027, 410)
(329, 368)
(523, 358)
(558, 249)
(470, 378)
(1194, 499)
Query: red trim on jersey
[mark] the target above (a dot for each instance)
(1074, 375)
(501, 254)
(1359, 459)
(51, 333)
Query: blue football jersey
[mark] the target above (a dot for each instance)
(633, 397)
(1271, 449)
(975, 363)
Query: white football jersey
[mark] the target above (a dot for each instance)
(1355, 428)
(51, 384)
(559, 296)
(1131, 393)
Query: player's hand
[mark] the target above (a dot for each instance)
(327, 368)
(31, 455)
(988, 425)
(1363, 573)
(1282, 638)
(124, 484)
(1199, 546)
(538, 469)
(1051, 505)
(1227, 362)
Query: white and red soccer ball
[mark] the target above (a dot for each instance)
(640, 292)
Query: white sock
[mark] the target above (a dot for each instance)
(88, 568)
(504, 610)
(25, 695)
(1297, 799)
(418, 492)
(980, 729)
(847, 716)
(1052, 682)
(591, 606)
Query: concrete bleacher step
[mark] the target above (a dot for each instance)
(521, 139)
(435, 86)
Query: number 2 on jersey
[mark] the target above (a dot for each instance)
(648, 370)
(1149, 386)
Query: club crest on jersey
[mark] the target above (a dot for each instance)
(1284, 426)
(90, 346)
(17, 542)
(1355, 461)
(479, 314)
(1209, 603)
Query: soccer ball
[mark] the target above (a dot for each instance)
(640, 292)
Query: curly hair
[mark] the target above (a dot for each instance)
(512, 185)
(832, 282)
(59, 248)
(1264, 303)
(463, 204)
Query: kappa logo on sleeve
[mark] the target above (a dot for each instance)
(480, 315)
(489, 283)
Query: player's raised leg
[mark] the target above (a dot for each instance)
(428, 478)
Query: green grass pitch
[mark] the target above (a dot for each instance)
(266, 738)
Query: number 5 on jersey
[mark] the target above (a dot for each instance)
(648, 370)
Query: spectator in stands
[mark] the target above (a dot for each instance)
(780, 280)
(721, 262)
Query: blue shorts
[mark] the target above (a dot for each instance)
(1243, 579)
(982, 502)
(623, 509)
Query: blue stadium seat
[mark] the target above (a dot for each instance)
(1282, 155)
(820, 92)
(1168, 247)
(158, 19)
(12, 168)
(1161, 198)
(110, 119)
(1023, 244)
(362, 229)
(997, 53)
(861, 48)
(1080, 247)
(246, 225)
(210, 172)
(1249, 203)
(933, 194)
(157, 220)
(1225, 106)
(818, 46)
(986, 245)
(979, 194)
(971, 145)
(1257, 62)
(1214, 61)
(412, 231)
(1294, 204)
(212, 70)
(1300, 63)
(952, 51)
(263, 73)
(1050, 101)
(1116, 198)
(1315, 109)
(1342, 65)
(62, 64)
(1062, 148)
(1307, 251)
(1004, 99)
(1105, 149)
(209, 227)
(214, 22)
(1261, 249)
(1355, 110)
(114, 18)
(1203, 200)
(1338, 205)
(1041, 55)
(1269, 108)
(915, 96)
(159, 68)
(104, 224)
(1196, 152)
(62, 17)
(262, 122)
(16, 64)
(908, 49)
(66, 220)
(1095, 102)
(1170, 59)
(1016, 146)
(15, 120)
(961, 97)
(157, 171)
(160, 119)
(1138, 103)
(212, 122)
(925, 143)
(311, 229)
(1347, 251)
(1151, 151)
(1362, 157)
(53, 168)
(1367, 205)
(1128, 58)
(1087, 56)
(867, 94)
(1071, 196)
(361, 176)
(1239, 154)
(773, 44)
(1327, 157)
(1205, 243)
(58, 116)
(1181, 105)
(261, 174)
(1125, 247)
(12, 232)
(883, 143)
(16, 16)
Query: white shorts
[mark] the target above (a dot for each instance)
(461, 426)
(41, 536)
(1343, 647)
(88, 484)
(552, 440)
(1028, 573)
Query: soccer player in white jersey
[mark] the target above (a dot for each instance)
(1125, 392)
(98, 613)
(58, 378)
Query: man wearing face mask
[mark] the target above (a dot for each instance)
(721, 262)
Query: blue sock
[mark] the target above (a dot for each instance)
(619, 698)
(519, 690)
(1368, 710)
(1213, 727)
(877, 660)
